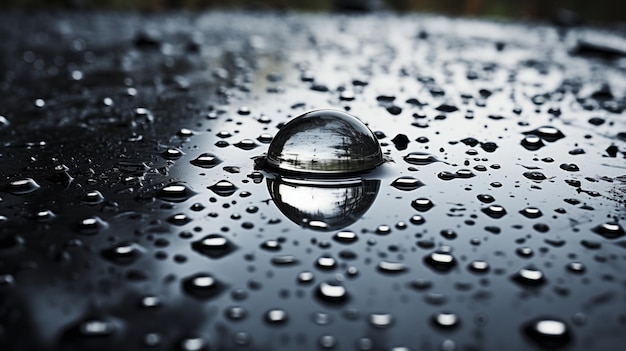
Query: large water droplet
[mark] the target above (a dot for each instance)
(441, 261)
(324, 142)
(223, 188)
(422, 204)
(124, 253)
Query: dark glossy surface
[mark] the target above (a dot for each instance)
(132, 216)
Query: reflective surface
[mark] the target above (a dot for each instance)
(323, 205)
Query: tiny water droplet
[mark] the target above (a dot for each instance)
(92, 225)
(381, 320)
(202, 286)
(124, 254)
(93, 197)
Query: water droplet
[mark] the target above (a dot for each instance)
(547, 133)
(92, 225)
(531, 212)
(332, 292)
(326, 262)
(525, 252)
(609, 230)
(532, 142)
(125, 253)
(223, 188)
(420, 158)
(306, 277)
(446, 320)
(422, 204)
(246, 144)
(326, 142)
(179, 219)
(549, 333)
(345, 237)
(479, 266)
(391, 267)
(172, 154)
(441, 261)
(494, 211)
(193, 344)
(576, 267)
(93, 197)
(284, 260)
(202, 286)
(327, 341)
(380, 320)
(22, 186)
(213, 246)
(235, 313)
(534, 175)
(206, 160)
(485, 198)
(265, 138)
(175, 192)
(44, 216)
(276, 317)
(529, 276)
(271, 245)
(407, 183)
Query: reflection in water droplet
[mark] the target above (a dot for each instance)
(335, 204)
(547, 133)
(246, 144)
(213, 246)
(179, 219)
(206, 160)
(345, 237)
(326, 142)
(485, 198)
(576, 267)
(407, 183)
(306, 277)
(172, 154)
(479, 266)
(535, 175)
(22, 186)
(549, 333)
(532, 142)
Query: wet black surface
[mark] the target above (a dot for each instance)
(132, 215)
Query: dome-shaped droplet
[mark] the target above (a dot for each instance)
(331, 292)
(420, 158)
(531, 212)
(202, 286)
(124, 254)
(529, 276)
(549, 333)
(389, 267)
(93, 197)
(175, 192)
(172, 154)
(406, 183)
(609, 230)
(213, 246)
(445, 320)
(381, 320)
(345, 237)
(92, 225)
(206, 160)
(22, 186)
(223, 188)
(532, 142)
(441, 261)
(276, 317)
(422, 204)
(324, 142)
(494, 211)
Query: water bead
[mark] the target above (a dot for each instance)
(324, 142)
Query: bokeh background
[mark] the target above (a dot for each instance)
(565, 11)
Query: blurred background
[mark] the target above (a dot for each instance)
(560, 10)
